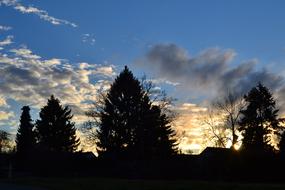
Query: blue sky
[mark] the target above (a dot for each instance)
(125, 28)
(193, 49)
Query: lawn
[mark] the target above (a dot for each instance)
(125, 184)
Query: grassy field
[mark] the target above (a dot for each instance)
(124, 184)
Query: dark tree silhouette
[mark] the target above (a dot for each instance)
(130, 124)
(259, 120)
(25, 138)
(54, 130)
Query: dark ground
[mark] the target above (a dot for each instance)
(9, 186)
(126, 184)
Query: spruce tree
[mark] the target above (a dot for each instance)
(25, 138)
(259, 120)
(55, 131)
(130, 124)
(157, 137)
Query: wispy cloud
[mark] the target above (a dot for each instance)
(88, 38)
(5, 28)
(33, 10)
(6, 41)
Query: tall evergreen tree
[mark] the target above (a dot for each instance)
(157, 137)
(259, 120)
(25, 139)
(130, 124)
(54, 130)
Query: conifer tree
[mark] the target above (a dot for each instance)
(25, 139)
(156, 136)
(54, 130)
(259, 120)
(130, 124)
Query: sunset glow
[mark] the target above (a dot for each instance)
(75, 50)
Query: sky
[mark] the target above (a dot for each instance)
(195, 50)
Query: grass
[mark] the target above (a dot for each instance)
(125, 184)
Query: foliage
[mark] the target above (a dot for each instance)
(259, 119)
(54, 130)
(129, 123)
(25, 138)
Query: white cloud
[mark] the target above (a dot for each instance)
(88, 38)
(33, 10)
(53, 61)
(105, 70)
(7, 41)
(25, 53)
(160, 81)
(5, 28)
(29, 79)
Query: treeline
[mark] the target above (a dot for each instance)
(133, 120)
(131, 126)
(250, 122)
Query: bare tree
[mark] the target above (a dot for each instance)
(230, 106)
(159, 97)
(214, 130)
(222, 120)
(90, 127)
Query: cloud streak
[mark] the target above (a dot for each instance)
(42, 14)
(5, 28)
(88, 38)
(7, 41)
